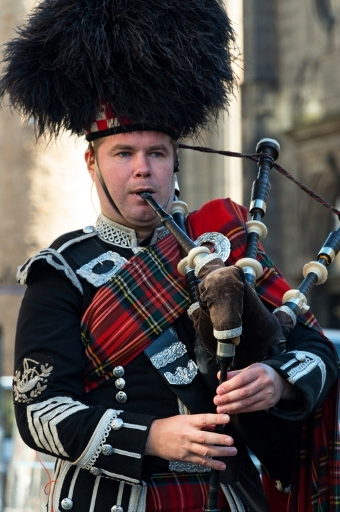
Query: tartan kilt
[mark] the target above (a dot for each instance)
(181, 492)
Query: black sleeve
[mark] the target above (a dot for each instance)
(311, 366)
(51, 410)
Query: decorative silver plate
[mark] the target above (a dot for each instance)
(86, 271)
(220, 243)
(182, 376)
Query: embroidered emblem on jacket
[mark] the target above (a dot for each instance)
(53, 258)
(31, 379)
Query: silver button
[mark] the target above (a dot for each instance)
(96, 471)
(120, 383)
(107, 449)
(89, 229)
(67, 504)
(116, 423)
(121, 397)
(118, 371)
(117, 508)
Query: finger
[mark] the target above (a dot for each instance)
(236, 396)
(255, 403)
(248, 388)
(206, 421)
(230, 375)
(236, 381)
(213, 438)
(210, 456)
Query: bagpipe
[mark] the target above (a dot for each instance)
(223, 297)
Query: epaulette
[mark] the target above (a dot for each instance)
(53, 256)
(73, 237)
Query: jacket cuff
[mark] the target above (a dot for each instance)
(306, 372)
(116, 448)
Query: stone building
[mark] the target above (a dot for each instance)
(44, 189)
(291, 92)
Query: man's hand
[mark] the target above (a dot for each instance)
(255, 388)
(191, 438)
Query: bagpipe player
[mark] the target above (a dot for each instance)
(110, 375)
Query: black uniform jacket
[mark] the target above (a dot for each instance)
(98, 440)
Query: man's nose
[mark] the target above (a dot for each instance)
(142, 166)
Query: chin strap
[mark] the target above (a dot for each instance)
(104, 187)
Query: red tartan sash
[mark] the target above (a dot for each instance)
(144, 298)
(316, 482)
(316, 474)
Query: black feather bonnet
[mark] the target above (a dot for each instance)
(160, 63)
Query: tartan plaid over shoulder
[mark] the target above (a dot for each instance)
(147, 295)
(144, 298)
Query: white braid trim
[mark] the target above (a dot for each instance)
(204, 261)
(288, 311)
(193, 308)
(94, 447)
(227, 335)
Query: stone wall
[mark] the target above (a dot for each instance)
(291, 92)
(45, 191)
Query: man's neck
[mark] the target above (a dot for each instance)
(141, 236)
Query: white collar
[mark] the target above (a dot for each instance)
(116, 234)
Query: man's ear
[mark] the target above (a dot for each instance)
(90, 162)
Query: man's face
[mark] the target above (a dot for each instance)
(132, 163)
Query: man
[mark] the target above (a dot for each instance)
(121, 434)
(110, 376)
(144, 161)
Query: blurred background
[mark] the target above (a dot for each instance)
(289, 90)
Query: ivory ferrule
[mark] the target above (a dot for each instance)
(256, 226)
(250, 266)
(297, 298)
(195, 258)
(180, 207)
(183, 267)
(196, 255)
(318, 269)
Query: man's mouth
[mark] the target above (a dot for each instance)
(144, 191)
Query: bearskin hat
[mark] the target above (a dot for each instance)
(159, 63)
